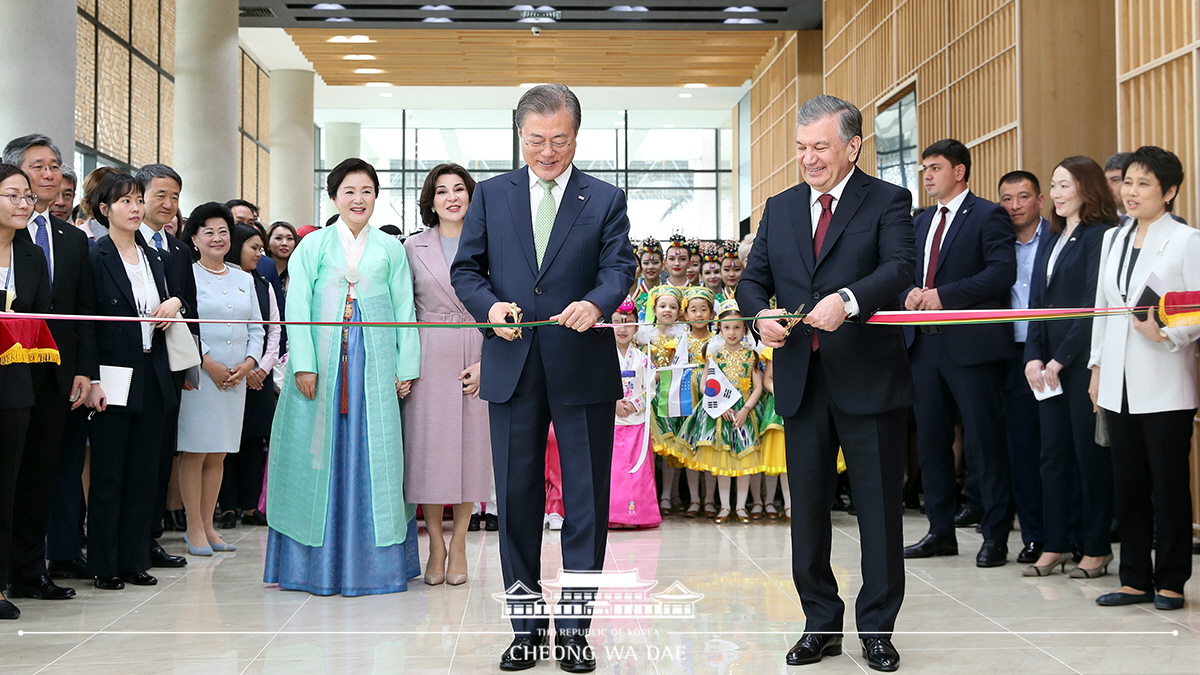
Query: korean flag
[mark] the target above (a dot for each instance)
(719, 393)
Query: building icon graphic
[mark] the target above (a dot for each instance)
(599, 594)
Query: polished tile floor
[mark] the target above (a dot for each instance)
(216, 617)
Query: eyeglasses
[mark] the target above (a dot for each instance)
(38, 167)
(539, 144)
(16, 198)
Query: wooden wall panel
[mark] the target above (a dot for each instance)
(1151, 29)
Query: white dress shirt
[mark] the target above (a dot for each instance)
(954, 205)
(148, 235)
(33, 232)
(536, 192)
(814, 206)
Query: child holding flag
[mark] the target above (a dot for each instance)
(726, 435)
(698, 312)
(770, 440)
(662, 339)
(631, 500)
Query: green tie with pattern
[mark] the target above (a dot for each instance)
(544, 223)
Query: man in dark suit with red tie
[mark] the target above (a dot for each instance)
(57, 389)
(966, 259)
(840, 246)
(554, 242)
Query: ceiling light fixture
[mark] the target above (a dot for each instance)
(350, 38)
(437, 19)
(338, 19)
(745, 8)
(695, 85)
(743, 21)
(367, 71)
(379, 84)
(628, 8)
(358, 57)
(436, 8)
(327, 6)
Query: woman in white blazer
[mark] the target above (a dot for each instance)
(1144, 379)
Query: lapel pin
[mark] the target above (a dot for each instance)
(580, 197)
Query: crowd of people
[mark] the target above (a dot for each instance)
(334, 435)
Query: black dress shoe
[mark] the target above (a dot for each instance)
(227, 521)
(968, 517)
(931, 545)
(178, 520)
(68, 569)
(9, 610)
(1030, 553)
(108, 583)
(811, 647)
(491, 522)
(575, 654)
(257, 518)
(993, 553)
(880, 654)
(522, 653)
(138, 578)
(473, 524)
(41, 588)
(160, 558)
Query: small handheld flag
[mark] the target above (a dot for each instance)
(719, 392)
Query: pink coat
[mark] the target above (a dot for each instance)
(447, 447)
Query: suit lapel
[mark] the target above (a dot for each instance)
(518, 207)
(116, 269)
(852, 198)
(1062, 256)
(573, 201)
(24, 275)
(960, 219)
(801, 213)
(429, 252)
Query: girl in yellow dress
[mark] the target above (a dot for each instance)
(698, 312)
(770, 439)
(661, 340)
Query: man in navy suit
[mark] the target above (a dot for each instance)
(841, 246)
(554, 242)
(966, 259)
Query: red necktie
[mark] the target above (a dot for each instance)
(826, 202)
(935, 249)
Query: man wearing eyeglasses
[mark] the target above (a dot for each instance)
(58, 390)
(548, 243)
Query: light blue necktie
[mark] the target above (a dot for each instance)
(543, 224)
(158, 242)
(43, 240)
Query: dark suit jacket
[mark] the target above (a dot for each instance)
(32, 286)
(119, 343)
(588, 258)
(869, 250)
(71, 294)
(976, 268)
(1073, 285)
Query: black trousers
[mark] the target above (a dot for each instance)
(126, 447)
(241, 485)
(66, 506)
(519, 429)
(14, 422)
(875, 447)
(1070, 453)
(1021, 419)
(37, 477)
(166, 460)
(943, 385)
(1153, 498)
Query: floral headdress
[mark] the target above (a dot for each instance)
(693, 246)
(729, 249)
(650, 245)
(709, 253)
(677, 240)
(627, 307)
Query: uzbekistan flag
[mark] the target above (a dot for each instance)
(679, 390)
(719, 393)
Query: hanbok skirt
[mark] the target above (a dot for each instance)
(632, 499)
(349, 563)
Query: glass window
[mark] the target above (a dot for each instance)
(896, 158)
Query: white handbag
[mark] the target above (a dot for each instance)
(183, 348)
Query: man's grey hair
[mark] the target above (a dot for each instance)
(68, 172)
(148, 173)
(548, 99)
(14, 152)
(1118, 162)
(817, 107)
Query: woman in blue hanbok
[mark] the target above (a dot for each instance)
(339, 519)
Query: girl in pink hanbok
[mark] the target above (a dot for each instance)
(632, 499)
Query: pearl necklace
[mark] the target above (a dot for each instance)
(223, 270)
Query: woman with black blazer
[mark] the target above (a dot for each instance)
(126, 440)
(24, 287)
(1056, 352)
(1144, 378)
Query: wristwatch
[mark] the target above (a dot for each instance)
(845, 301)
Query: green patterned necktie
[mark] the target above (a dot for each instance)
(544, 223)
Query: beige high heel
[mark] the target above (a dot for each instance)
(1091, 573)
(1046, 570)
(455, 579)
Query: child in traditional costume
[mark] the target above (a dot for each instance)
(631, 500)
(662, 339)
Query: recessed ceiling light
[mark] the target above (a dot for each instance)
(367, 71)
(628, 8)
(695, 85)
(385, 94)
(746, 8)
(349, 38)
(743, 21)
(358, 57)
(379, 84)
(339, 19)
(327, 6)
(436, 8)
(685, 95)
(437, 19)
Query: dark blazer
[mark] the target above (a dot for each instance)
(266, 270)
(32, 285)
(976, 268)
(71, 293)
(1073, 285)
(119, 343)
(869, 250)
(588, 258)
(178, 267)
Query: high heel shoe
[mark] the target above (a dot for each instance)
(435, 575)
(1091, 572)
(455, 579)
(196, 550)
(1046, 570)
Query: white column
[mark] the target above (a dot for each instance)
(37, 48)
(292, 153)
(207, 92)
(343, 140)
